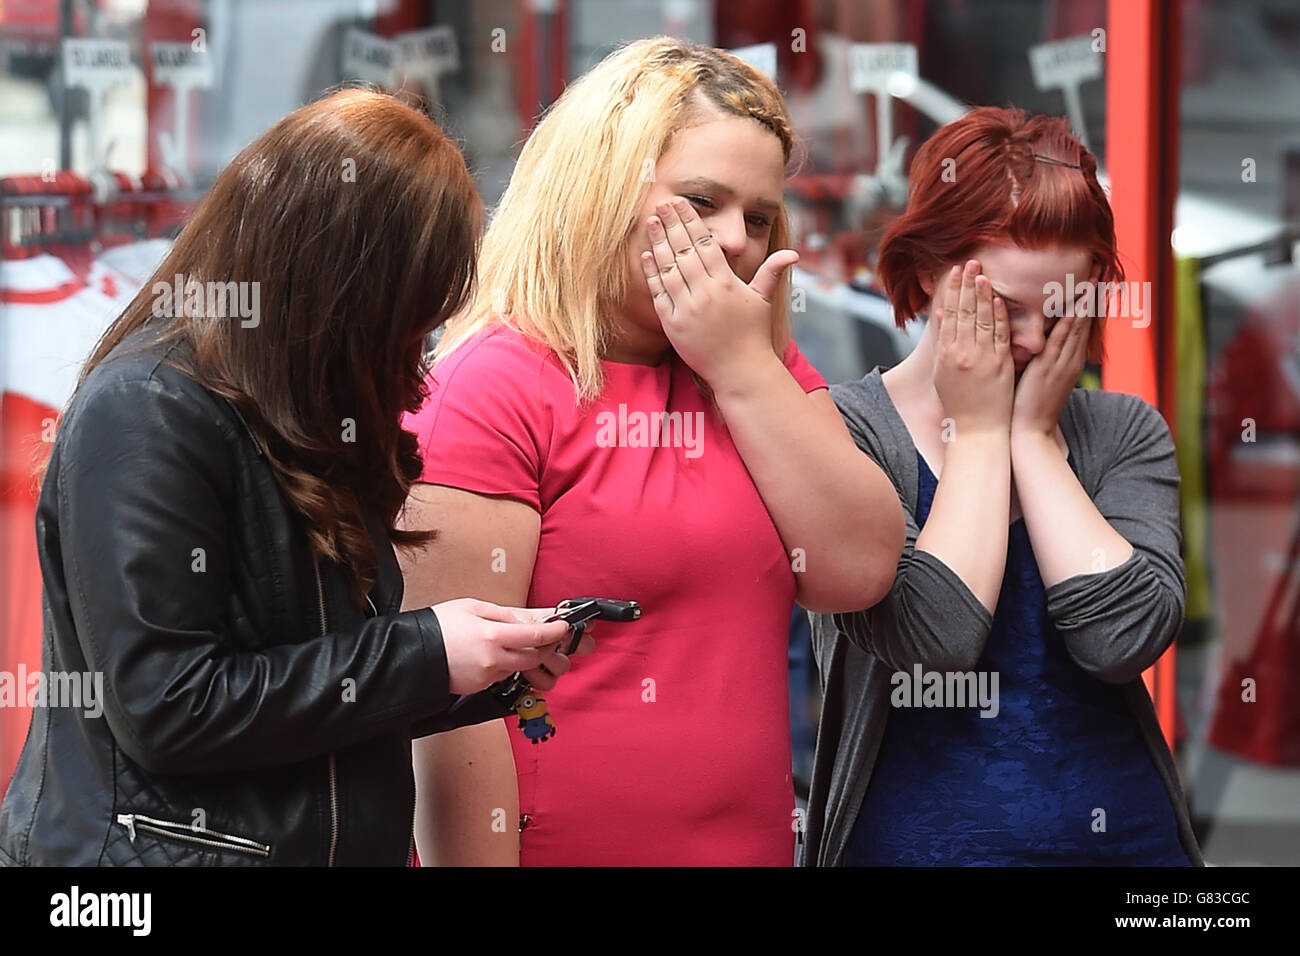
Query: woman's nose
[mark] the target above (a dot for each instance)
(1028, 334)
(729, 232)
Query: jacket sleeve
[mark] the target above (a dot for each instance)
(1116, 623)
(929, 617)
(472, 709)
(143, 484)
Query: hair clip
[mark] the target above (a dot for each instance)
(1055, 162)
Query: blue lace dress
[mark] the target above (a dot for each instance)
(1060, 776)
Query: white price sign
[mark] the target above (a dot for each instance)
(429, 52)
(95, 64)
(369, 58)
(180, 65)
(761, 56)
(1063, 65)
(872, 64)
(1064, 62)
(98, 66)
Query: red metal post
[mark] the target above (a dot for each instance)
(1142, 85)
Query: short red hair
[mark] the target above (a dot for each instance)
(976, 181)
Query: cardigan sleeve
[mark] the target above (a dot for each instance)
(929, 617)
(1116, 623)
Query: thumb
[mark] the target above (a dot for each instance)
(531, 615)
(770, 272)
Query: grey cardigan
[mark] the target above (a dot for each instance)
(1114, 623)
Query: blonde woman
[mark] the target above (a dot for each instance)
(622, 413)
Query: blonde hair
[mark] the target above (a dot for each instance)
(553, 262)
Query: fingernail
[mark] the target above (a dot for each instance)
(972, 267)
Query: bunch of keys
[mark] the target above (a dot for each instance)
(534, 720)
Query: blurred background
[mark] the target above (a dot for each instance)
(115, 115)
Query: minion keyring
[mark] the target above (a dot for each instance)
(534, 720)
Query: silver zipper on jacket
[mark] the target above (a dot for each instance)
(334, 787)
(190, 834)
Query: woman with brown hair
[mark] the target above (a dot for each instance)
(216, 521)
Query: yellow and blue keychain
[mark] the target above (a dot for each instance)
(534, 720)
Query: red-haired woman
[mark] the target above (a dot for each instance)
(990, 711)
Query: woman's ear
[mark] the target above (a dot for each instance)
(927, 283)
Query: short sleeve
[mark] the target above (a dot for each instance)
(480, 429)
(809, 378)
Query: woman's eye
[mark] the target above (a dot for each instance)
(759, 222)
(700, 201)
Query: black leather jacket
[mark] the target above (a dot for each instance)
(250, 714)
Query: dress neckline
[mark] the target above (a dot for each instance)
(923, 468)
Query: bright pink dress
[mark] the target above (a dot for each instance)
(672, 743)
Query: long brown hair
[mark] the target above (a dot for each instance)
(359, 222)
